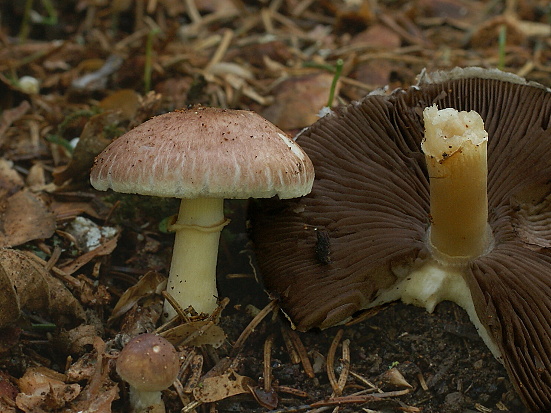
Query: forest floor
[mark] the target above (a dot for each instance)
(94, 69)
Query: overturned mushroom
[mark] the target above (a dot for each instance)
(364, 235)
(203, 156)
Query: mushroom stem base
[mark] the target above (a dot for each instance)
(432, 283)
(146, 401)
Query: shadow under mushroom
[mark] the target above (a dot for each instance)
(363, 229)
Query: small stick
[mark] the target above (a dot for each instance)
(365, 381)
(293, 355)
(179, 310)
(272, 305)
(268, 362)
(191, 407)
(343, 377)
(290, 390)
(200, 331)
(331, 362)
(192, 11)
(356, 399)
(62, 275)
(302, 353)
(196, 367)
(180, 391)
(221, 50)
(222, 304)
(422, 382)
(53, 258)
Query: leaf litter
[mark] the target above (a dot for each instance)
(82, 273)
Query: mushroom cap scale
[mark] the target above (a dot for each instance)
(148, 363)
(364, 226)
(205, 153)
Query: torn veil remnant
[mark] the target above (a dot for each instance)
(373, 199)
(203, 156)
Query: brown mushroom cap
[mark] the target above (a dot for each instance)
(205, 153)
(327, 255)
(148, 363)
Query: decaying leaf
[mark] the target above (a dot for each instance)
(92, 141)
(8, 392)
(151, 283)
(10, 180)
(126, 101)
(26, 285)
(43, 390)
(196, 333)
(78, 340)
(215, 388)
(266, 398)
(101, 391)
(298, 100)
(11, 115)
(25, 217)
(105, 248)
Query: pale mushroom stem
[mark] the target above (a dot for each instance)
(455, 148)
(192, 278)
(146, 401)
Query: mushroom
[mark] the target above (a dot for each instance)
(380, 223)
(149, 364)
(202, 155)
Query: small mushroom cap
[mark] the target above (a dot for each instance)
(205, 153)
(148, 363)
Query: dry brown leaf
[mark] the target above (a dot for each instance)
(450, 10)
(215, 388)
(127, 101)
(92, 141)
(8, 392)
(25, 217)
(216, 6)
(76, 341)
(10, 180)
(104, 249)
(256, 53)
(11, 115)
(374, 72)
(268, 399)
(298, 100)
(82, 369)
(66, 211)
(101, 391)
(196, 333)
(26, 285)
(150, 105)
(377, 36)
(151, 283)
(44, 390)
